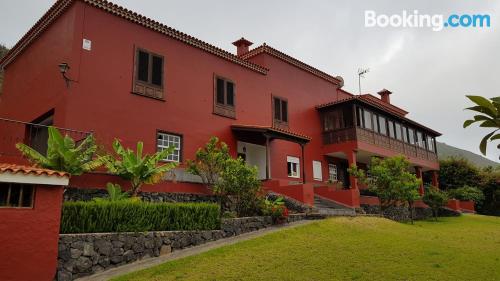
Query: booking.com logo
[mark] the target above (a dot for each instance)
(416, 20)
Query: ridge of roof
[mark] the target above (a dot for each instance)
(61, 5)
(264, 48)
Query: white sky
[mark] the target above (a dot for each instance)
(428, 72)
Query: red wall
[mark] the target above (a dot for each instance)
(348, 197)
(29, 237)
(100, 99)
(301, 192)
(467, 206)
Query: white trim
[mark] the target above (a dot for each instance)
(317, 170)
(33, 179)
(296, 161)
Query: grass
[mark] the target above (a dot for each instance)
(363, 248)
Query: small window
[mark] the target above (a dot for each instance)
(317, 173)
(399, 135)
(359, 116)
(405, 134)
(430, 144)
(165, 140)
(390, 125)
(224, 97)
(411, 136)
(420, 140)
(280, 110)
(14, 195)
(368, 119)
(332, 172)
(382, 127)
(148, 75)
(293, 166)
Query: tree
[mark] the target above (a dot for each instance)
(391, 180)
(63, 154)
(435, 199)
(210, 162)
(241, 183)
(489, 117)
(490, 186)
(136, 168)
(457, 172)
(468, 193)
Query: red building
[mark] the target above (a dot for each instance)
(132, 78)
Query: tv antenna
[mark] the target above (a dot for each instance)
(361, 74)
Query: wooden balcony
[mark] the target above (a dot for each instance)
(371, 137)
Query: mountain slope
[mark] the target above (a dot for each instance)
(445, 151)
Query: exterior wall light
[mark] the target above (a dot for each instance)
(63, 68)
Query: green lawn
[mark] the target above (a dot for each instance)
(363, 248)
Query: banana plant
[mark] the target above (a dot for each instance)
(489, 118)
(63, 154)
(136, 168)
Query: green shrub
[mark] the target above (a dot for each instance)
(435, 199)
(467, 193)
(137, 216)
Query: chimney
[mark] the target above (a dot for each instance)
(384, 95)
(242, 46)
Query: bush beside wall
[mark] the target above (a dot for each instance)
(130, 216)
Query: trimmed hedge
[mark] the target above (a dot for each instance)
(130, 216)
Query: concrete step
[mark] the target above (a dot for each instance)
(336, 212)
(331, 208)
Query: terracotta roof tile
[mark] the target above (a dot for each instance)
(27, 170)
(293, 61)
(374, 101)
(60, 6)
(273, 129)
(371, 100)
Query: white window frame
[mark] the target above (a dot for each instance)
(332, 176)
(170, 140)
(317, 170)
(294, 162)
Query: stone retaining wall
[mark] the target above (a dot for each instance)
(290, 203)
(401, 213)
(81, 194)
(88, 253)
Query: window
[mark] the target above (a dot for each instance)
(39, 134)
(359, 116)
(224, 100)
(390, 124)
(405, 134)
(411, 136)
(382, 127)
(367, 119)
(16, 195)
(420, 140)
(399, 136)
(293, 166)
(165, 140)
(334, 120)
(430, 144)
(280, 107)
(317, 173)
(332, 172)
(148, 75)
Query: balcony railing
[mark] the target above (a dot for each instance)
(34, 135)
(371, 137)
